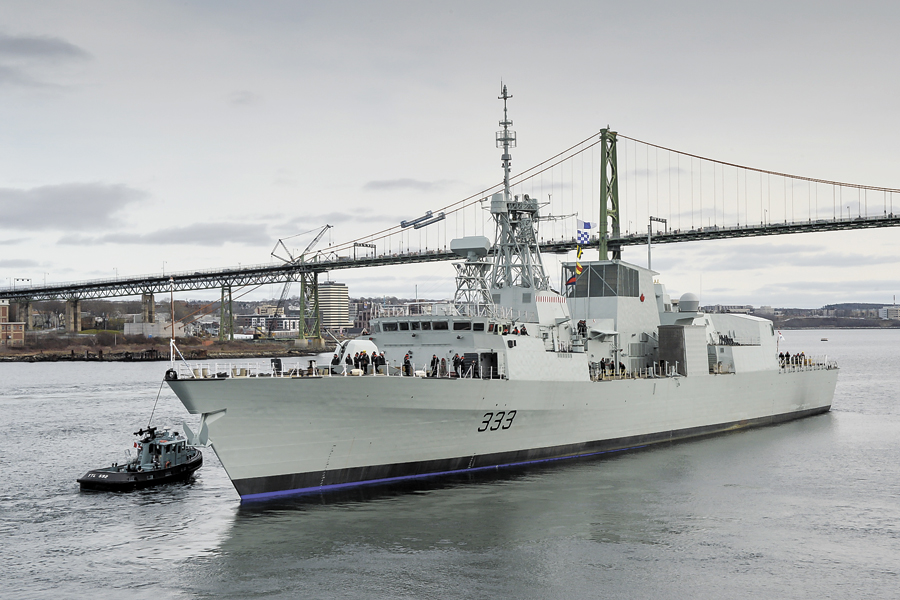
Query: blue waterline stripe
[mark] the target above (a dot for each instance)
(336, 486)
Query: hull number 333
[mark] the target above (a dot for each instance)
(499, 420)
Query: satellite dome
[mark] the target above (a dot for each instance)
(689, 303)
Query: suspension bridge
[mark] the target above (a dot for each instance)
(633, 191)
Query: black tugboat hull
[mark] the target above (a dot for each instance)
(112, 480)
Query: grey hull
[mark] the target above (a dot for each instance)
(282, 435)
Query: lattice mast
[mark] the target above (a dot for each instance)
(472, 298)
(517, 259)
(473, 295)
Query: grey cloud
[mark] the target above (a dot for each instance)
(198, 234)
(362, 214)
(39, 47)
(12, 242)
(747, 259)
(244, 98)
(854, 287)
(820, 293)
(284, 178)
(65, 206)
(391, 185)
(640, 173)
(13, 76)
(17, 262)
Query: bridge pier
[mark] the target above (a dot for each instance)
(226, 317)
(23, 313)
(73, 315)
(148, 308)
(310, 314)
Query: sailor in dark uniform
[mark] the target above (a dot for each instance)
(435, 364)
(335, 364)
(457, 361)
(407, 366)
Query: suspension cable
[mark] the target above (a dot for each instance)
(777, 173)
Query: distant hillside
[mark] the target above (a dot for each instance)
(853, 306)
(833, 323)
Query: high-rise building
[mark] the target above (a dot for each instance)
(334, 305)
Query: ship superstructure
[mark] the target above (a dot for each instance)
(511, 371)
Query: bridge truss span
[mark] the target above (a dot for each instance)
(697, 197)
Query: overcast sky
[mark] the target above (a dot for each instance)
(142, 136)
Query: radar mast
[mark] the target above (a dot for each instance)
(517, 256)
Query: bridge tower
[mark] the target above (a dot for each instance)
(609, 195)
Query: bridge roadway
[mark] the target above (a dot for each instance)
(264, 274)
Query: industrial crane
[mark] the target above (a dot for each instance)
(292, 260)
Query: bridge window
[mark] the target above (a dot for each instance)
(404, 326)
(389, 326)
(603, 281)
(462, 325)
(414, 325)
(426, 325)
(478, 326)
(441, 325)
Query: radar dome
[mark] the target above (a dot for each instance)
(689, 303)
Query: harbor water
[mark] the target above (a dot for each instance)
(807, 509)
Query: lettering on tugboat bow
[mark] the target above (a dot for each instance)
(498, 420)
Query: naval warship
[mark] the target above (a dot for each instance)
(509, 372)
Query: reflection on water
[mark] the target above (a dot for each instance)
(803, 510)
(547, 532)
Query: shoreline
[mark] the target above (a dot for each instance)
(141, 357)
(149, 353)
(83, 353)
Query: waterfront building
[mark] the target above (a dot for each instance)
(161, 328)
(890, 313)
(744, 309)
(12, 333)
(262, 324)
(269, 310)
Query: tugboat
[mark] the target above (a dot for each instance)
(161, 458)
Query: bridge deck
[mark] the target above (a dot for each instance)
(263, 274)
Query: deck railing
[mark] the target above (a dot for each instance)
(807, 363)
